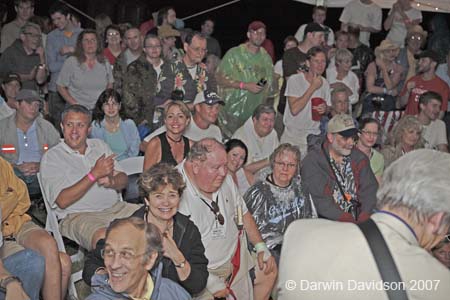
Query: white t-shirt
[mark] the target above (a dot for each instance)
(434, 134)
(298, 127)
(278, 67)
(351, 80)
(367, 15)
(62, 167)
(258, 147)
(300, 34)
(193, 132)
(398, 31)
(219, 248)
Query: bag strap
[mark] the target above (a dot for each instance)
(385, 263)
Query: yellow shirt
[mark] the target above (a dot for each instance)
(148, 289)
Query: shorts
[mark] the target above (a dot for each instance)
(12, 245)
(81, 227)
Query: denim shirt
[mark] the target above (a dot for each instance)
(130, 134)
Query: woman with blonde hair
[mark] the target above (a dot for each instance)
(170, 146)
(405, 137)
(383, 77)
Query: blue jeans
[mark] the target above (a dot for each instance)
(30, 268)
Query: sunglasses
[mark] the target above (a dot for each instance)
(216, 211)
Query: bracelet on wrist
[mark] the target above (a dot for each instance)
(241, 85)
(260, 247)
(91, 177)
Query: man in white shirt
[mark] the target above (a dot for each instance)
(434, 131)
(83, 181)
(308, 95)
(401, 17)
(319, 16)
(363, 14)
(259, 136)
(214, 204)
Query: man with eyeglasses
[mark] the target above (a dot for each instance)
(25, 136)
(26, 57)
(133, 41)
(11, 31)
(338, 176)
(132, 253)
(60, 45)
(245, 78)
(415, 39)
(214, 204)
(140, 82)
(188, 74)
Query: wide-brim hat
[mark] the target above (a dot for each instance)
(385, 45)
(166, 31)
(417, 29)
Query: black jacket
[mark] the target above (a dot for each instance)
(188, 240)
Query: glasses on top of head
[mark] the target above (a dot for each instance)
(216, 211)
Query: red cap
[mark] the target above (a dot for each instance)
(255, 25)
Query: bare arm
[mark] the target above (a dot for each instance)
(64, 92)
(14, 289)
(152, 153)
(297, 104)
(257, 165)
(227, 82)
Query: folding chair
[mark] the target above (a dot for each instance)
(52, 226)
(132, 166)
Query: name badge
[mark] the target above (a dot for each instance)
(218, 232)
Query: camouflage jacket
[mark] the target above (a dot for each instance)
(139, 88)
(176, 76)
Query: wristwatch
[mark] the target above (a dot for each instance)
(181, 264)
(7, 280)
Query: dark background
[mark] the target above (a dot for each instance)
(282, 17)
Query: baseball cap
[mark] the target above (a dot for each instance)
(255, 25)
(167, 31)
(208, 97)
(343, 125)
(11, 77)
(28, 95)
(313, 27)
(428, 53)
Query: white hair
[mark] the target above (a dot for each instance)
(418, 181)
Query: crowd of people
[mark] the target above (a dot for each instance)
(235, 149)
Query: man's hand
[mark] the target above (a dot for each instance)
(316, 82)
(268, 265)
(104, 166)
(410, 86)
(66, 50)
(222, 293)
(106, 182)
(253, 87)
(14, 291)
(40, 51)
(380, 63)
(29, 168)
(321, 108)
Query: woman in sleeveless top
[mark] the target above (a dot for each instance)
(171, 146)
(383, 77)
(237, 157)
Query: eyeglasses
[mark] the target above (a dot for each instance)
(285, 165)
(447, 238)
(124, 256)
(113, 33)
(216, 211)
(369, 133)
(415, 37)
(33, 35)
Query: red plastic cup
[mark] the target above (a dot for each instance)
(314, 103)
